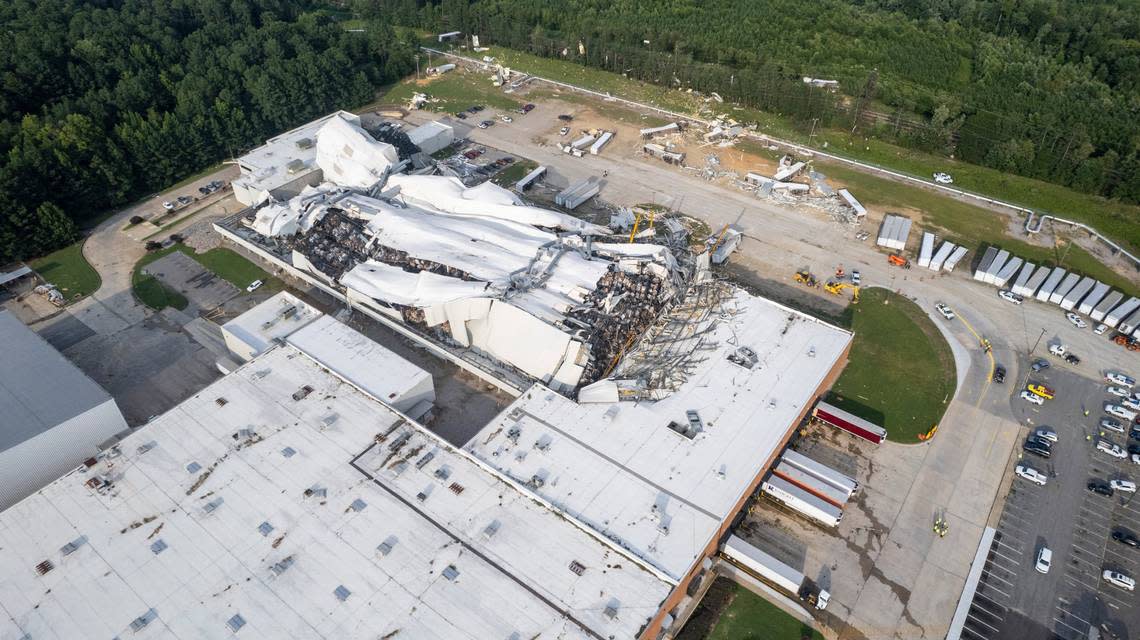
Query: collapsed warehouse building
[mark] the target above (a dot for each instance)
(531, 292)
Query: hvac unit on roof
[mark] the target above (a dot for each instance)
(577, 567)
(305, 143)
(294, 166)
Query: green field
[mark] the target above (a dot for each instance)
(1113, 219)
(455, 91)
(901, 372)
(226, 264)
(515, 172)
(731, 612)
(68, 270)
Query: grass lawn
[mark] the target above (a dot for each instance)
(149, 290)
(731, 612)
(512, 174)
(455, 90)
(226, 264)
(1113, 219)
(68, 270)
(901, 371)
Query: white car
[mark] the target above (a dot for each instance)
(1077, 321)
(946, 311)
(1119, 392)
(1119, 411)
(1111, 425)
(506, 118)
(1044, 560)
(942, 177)
(1046, 434)
(1032, 398)
(168, 205)
(1058, 349)
(254, 285)
(1119, 378)
(1010, 296)
(1111, 449)
(1030, 474)
(1100, 329)
(1136, 458)
(1119, 579)
(1126, 486)
(563, 131)
(856, 278)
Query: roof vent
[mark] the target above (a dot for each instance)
(342, 593)
(143, 448)
(302, 393)
(158, 546)
(213, 505)
(443, 473)
(456, 488)
(236, 622)
(221, 402)
(426, 458)
(543, 443)
(577, 567)
(193, 467)
(358, 505)
(288, 452)
(490, 530)
(328, 421)
(142, 621)
(305, 143)
(316, 492)
(295, 165)
(44, 567)
(265, 528)
(279, 568)
(513, 434)
(386, 547)
(611, 610)
(450, 572)
(73, 546)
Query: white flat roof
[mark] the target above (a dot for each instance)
(206, 527)
(355, 357)
(620, 468)
(266, 167)
(272, 320)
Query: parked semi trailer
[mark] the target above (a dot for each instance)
(764, 567)
(802, 502)
(821, 471)
(850, 423)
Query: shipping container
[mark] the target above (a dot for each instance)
(841, 419)
(802, 502)
(926, 251)
(1099, 291)
(1054, 279)
(1006, 274)
(1022, 279)
(1104, 306)
(825, 473)
(941, 255)
(1077, 293)
(1121, 312)
(1036, 280)
(999, 261)
(955, 258)
(985, 264)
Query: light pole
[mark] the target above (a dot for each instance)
(1038, 341)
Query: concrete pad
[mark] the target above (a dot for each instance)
(933, 600)
(104, 319)
(63, 330)
(899, 564)
(956, 551)
(878, 611)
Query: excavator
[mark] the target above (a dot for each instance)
(898, 261)
(836, 288)
(807, 279)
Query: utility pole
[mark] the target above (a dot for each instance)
(812, 134)
(1034, 348)
(865, 99)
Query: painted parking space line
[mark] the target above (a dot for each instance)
(1008, 546)
(1123, 558)
(1062, 622)
(1014, 561)
(971, 618)
(994, 576)
(1111, 598)
(1076, 583)
(975, 633)
(1065, 612)
(1001, 606)
(991, 587)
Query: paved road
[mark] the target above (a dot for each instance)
(113, 252)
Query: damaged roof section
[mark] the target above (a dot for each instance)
(551, 303)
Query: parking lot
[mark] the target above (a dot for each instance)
(1013, 599)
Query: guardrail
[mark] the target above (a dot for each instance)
(871, 168)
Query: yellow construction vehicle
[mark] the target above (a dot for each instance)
(837, 288)
(807, 279)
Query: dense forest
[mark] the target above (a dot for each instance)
(1044, 88)
(107, 100)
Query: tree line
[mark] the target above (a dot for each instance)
(105, 101)
(1048, 89)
